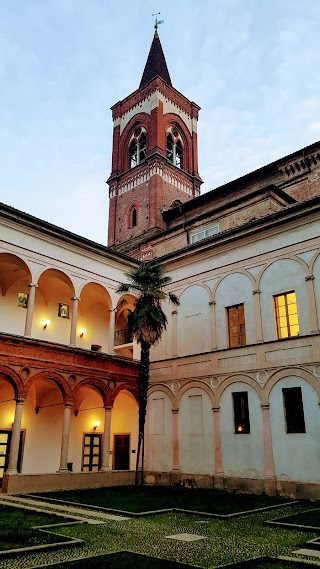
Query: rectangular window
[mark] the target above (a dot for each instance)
(241, 413)
(286, 315)
(236, 326)
(208, 232)
(293, 410)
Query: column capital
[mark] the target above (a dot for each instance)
(68, 403)
(215, 409)
(108, 407)
(257, 291)
(211, 302)
(174, 312)
(265, 406)
(33, 285)
(309, 278)
(20, 400)
(175, 411)
(75, 298)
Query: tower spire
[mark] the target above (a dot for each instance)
(156, 62)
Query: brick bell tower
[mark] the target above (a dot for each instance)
(154, 156)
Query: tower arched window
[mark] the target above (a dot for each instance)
(138, 147)
(174, 148)
(134, 217)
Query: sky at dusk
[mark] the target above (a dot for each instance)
(251, 65)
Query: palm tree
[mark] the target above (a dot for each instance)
(146, 323)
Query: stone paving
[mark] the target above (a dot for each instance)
(221, 541)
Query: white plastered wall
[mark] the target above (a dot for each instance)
(296, 455)
(242, 453)
(90, 411)
(195, 420)
(193, 326)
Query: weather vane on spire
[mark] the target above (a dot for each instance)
(157, 22)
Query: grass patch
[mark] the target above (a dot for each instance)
(16, 528)
(150, 498)
(309, 518)
(123, 560)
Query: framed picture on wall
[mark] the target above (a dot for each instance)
(23, 299)
(63, 311)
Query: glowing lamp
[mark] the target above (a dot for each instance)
(45, 323)
(82, 331)
(95, 425)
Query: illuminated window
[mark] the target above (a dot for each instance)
(236, 326)
(293, 410)
(286, 315)
(241, 413)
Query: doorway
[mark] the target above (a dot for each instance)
(121, 452)
(91, 458)
(5, 444)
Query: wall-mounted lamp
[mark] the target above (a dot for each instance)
(82, 331)
(45, 324)
(95, 425)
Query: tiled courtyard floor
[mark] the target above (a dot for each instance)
(226, 540)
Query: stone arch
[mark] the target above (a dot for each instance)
(58, 379)
(240, 272)
(288, 372)
(195, 383)
(15, 381)
(239, 378)
(200, 284)
(163, 388)
(193, 320)
(173, 120)
(298, 260)
(97, 385)
(138, 120)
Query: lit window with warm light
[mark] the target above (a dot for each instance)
(286, 315)
(241, 413)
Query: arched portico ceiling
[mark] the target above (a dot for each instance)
(45, 382)
(85, 388)
(125, 303)
(12, 270)
(93, 294)
(10, 377)
(53, 282)
(129, 390)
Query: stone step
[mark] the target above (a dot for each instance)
(309, 552)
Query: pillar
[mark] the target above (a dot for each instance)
(213, 325)
(74, 320)
(257, 315)
(174, 333)
(175, 441)
(30, 309)
(269, 474)
(65, 438)
(218, 463)
(111, 331)
(15, 438)
(105, 454)
(314, 324)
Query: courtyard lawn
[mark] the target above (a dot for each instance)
(122, 560)
(16, 528)
(151, 498)
(269, 563)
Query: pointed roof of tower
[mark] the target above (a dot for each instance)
(156, 63)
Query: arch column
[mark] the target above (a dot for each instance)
(65, 437)
(30, 309)
(174, 333)
(212, 305)
(257, 315)
(74, 320)
(312, 305)
(105, 453)
(269, 474)
(175, 442)
(218, 463)
(15, 438)
(111, 331)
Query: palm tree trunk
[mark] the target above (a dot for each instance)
(143, 396)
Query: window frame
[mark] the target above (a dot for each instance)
(241, 334)
(293, 410)
(241, 414)
(287, 315)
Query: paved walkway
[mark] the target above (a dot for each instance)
(66, 511)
